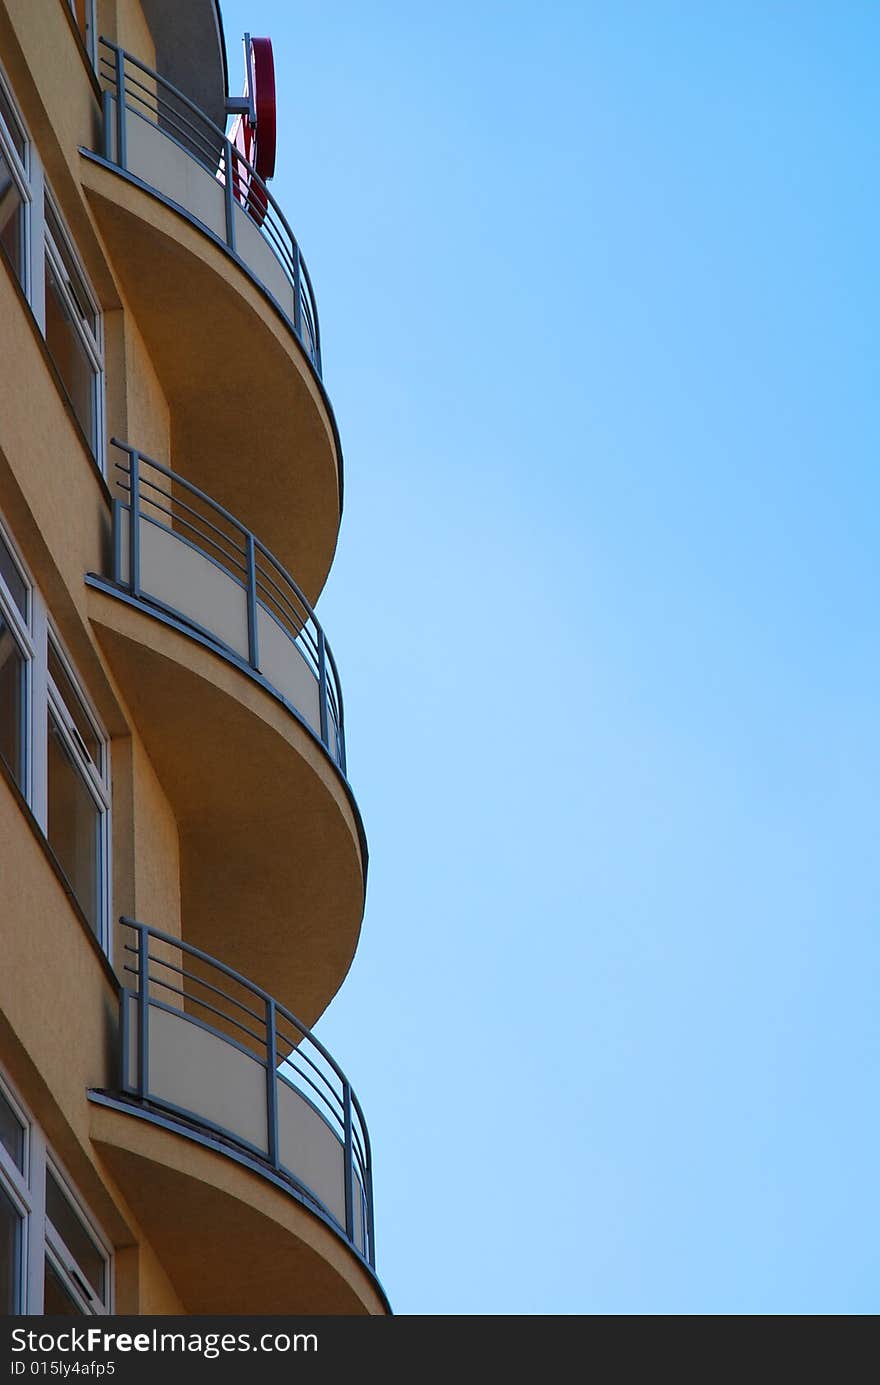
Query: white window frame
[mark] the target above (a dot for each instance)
(20, 626)
(15, 1183)
(39, 1238)
(95, 777)
(92, 342)
(34, 637)
(42, 248)
(89, 36)
(19, 167)
(63, 1259)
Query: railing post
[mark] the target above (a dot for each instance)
(229, 195)
(253, 631)
(134, 532)
(322, 688)
(143, 1012)
(121, 152)
(348, 1166)
(297, 293)
(106, 98)
(271, 1084)
(317, 328)
(371, 1233)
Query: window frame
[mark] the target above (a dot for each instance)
(96, 778)
(92, 341)
(42, 698)
(55, 1248)
(20, 627)
(90, 35)
(48, 248)
(20, 166)
(15, 1183)
(39, 1238)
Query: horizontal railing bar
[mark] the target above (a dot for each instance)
(193, 976)
(130, 59)
(266, 580)
(181, 504)
(155, 105)
(279, 567)
(335, 1124)
(178, 504)
(172, 115)
(161, 105)
(188, 485)
(228, 561)
(296, 1050)
(206, 1005)
(300, 635)
(304, 1077)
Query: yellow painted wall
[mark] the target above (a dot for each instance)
(123, 22)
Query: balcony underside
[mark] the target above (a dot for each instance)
(230, 1240)
(248, 411)
(271, 844)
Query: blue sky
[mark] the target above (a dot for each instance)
(599, 301)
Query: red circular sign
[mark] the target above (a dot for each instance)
(255, 140)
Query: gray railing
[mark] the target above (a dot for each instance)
(131, 89)
(175, 547)
(203, 1042)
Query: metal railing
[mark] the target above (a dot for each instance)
(132, 88)
(228, 1021)
(172, 506)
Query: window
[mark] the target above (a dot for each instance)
(72, 327)
(77, 797)
(15, 653)
(53, 1258)
(75, 1277)
(36, 243)
(13, 189)
(64, 772)
(83, 12)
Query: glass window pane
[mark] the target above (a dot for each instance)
(73, 824)
(12, 695)
(57, 1300)
(69, 354)
(13, 578)
(74, 705)
(11, 1133)
(80, 14)
(75, 285)
(11, 219)
(13, 129)
(89, 1260)
(10, 1256)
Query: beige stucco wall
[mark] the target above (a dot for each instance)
(123, 22)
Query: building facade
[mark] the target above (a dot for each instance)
(182, 857)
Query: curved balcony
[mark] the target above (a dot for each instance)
(221, 296)
(219, 1055)
(178, 550)
(204, 172)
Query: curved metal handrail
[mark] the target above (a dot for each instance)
(269, 591)
(169, 110)
(273, 1037)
